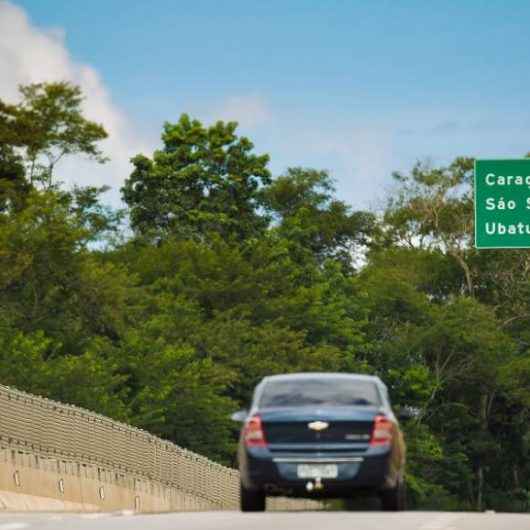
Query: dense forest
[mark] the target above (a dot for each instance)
(166, 313)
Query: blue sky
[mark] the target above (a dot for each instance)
(359, 88)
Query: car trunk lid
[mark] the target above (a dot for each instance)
(331, 426)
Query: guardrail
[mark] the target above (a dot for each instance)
(104, 450)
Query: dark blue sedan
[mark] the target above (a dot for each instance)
(320, 435)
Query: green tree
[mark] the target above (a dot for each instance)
(205, 179)
(175, 392)
(251, 308)
(49, 279)
(13, 184)
(303, 203)
(433, 209)
(47, 125)
(90, 379)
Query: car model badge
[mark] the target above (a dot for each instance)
(318, 425)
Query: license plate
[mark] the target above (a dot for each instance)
(317, 471)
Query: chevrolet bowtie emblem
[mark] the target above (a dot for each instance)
(318, 425)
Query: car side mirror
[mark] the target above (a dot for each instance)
(240, 416)
(409, 413)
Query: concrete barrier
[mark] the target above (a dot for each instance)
(55, 457)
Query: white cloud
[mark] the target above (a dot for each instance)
(360, 157)
(363, 164)
(29, 54)
(249, 111)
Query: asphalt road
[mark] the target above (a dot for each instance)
(269, 521)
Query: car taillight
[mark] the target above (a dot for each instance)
(253, 434)
(382, 433)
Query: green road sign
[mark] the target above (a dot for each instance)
(502, 203)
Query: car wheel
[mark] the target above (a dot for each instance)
(251, 500)
(395, 499)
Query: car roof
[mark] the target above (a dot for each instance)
(322, 375)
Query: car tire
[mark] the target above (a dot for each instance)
(251, 500)
(395, 499)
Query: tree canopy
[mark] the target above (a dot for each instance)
(205, 179)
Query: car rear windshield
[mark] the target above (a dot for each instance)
(339, 392)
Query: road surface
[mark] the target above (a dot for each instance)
(269, 521)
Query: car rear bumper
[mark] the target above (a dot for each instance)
(277, 474)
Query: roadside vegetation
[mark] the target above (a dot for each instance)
(165, 314)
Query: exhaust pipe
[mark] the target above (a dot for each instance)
(316, 486)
